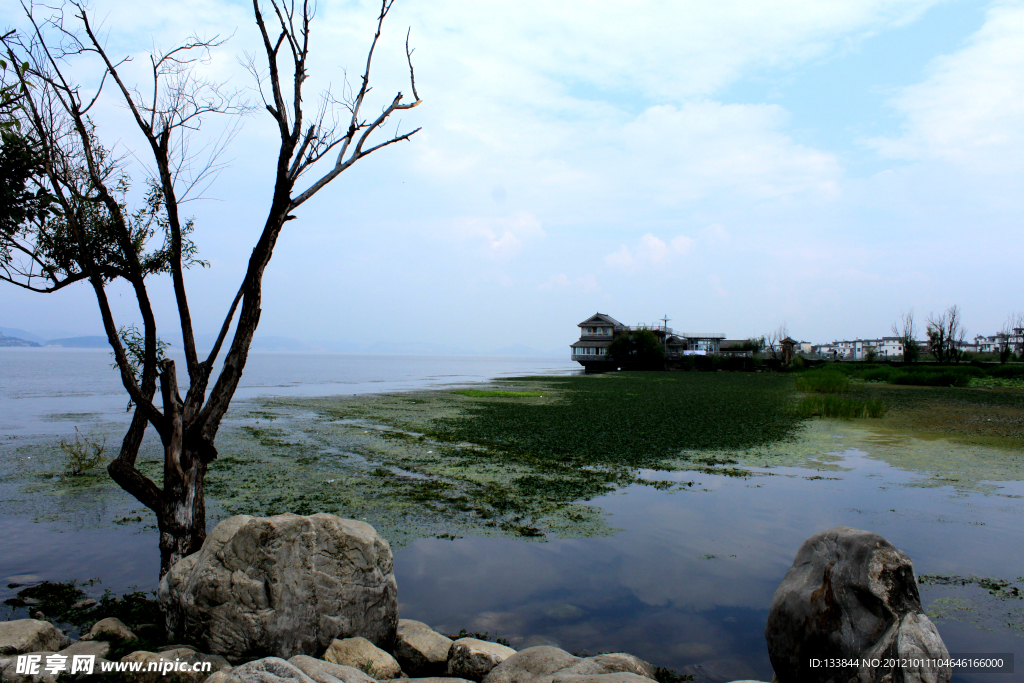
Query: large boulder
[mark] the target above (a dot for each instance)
(29, 635)
(850, 594)
(422, 651)
(473, 659)
(283, 586)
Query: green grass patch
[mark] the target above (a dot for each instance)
(840, 407)
(497, 393)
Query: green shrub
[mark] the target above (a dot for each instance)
(823, 382)
(1007, 372)
(82, 454)
(878, 374)
(840, 407)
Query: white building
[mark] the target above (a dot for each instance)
(857, 349)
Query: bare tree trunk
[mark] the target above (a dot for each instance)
(181, 518)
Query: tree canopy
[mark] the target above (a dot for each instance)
(637, 347)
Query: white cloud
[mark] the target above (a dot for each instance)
(650, 250)
(584, 283)
(504, 236)
(705, 147)
(971, 108)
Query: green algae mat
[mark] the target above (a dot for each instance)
(525, 457)
(521, 457)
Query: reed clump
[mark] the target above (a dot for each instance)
(841, 407)
(823, 382)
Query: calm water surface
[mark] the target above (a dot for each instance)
(686, 581)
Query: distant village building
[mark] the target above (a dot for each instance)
(857, 349)
(598, 331)
(997, 342)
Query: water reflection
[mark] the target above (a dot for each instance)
(688, 581)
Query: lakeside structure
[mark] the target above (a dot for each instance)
(598, 331)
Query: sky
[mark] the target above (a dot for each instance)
(732, 165)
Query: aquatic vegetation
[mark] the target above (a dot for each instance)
(82, 454)
(840, 407)
(497, 393)
(823, 382)
(57, 601)
(631, 419)
(1000, 588)
(976, 600)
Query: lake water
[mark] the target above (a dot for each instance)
(685, 582)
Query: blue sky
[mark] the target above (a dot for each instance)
(734, 165)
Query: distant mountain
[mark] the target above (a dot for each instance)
(22, 334)
(6, 341)
(79, 342)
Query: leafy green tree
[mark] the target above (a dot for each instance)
(639, 348)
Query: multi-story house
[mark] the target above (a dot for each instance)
(598, 331)
(857, 349)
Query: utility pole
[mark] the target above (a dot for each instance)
(664, 339)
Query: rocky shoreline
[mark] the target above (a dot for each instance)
(314, 598)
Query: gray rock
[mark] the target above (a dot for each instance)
(97, 648)
(9, 672)
(473, 659)
(84, 604)
(22, 636)
(618, 662)
(110, 629)
(527, 665)
(546, 664)
(359, 653)
(283, 586)
(421, 650)
(323, 671)
(618, 677)
(219, 677)
(183, 655)
(850, 594)
(428, 679)
(267, 670)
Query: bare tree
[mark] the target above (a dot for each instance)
(1011, 337)
(90, 235)
(773, 342)
(906, 330)
(946, 335)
